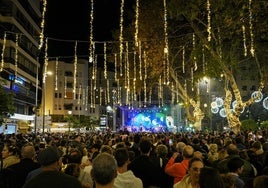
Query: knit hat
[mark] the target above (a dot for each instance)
(49, 155)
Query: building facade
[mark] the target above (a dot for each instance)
(19, 40)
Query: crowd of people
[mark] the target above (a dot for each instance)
(135, 160)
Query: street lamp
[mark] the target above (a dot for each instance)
(69, 120)
(44, 97)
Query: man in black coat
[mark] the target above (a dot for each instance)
(17, 173)
(144, 168)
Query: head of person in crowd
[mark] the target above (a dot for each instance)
(9, 149)
(235, 165)
(194, 167)
(50, 158)
(161, 150)
(232, 149)
(74, 156)
(28, 152)
(213, 154)
(72, 169)
(104, 170)
(260, 181)
(210, 177)
(107, 149)
(122, 156)
(257, 147)
(188, 152)
(9, 154)
(145, 146)
(198, 154)
(228, 180)
(180, 146)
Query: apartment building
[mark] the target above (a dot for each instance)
(19, 42)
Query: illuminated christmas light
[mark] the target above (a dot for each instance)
(45, 62)
(252, 50)
(105, 60)
(41, 36)
(166, 49)
(56, 74)
(121, 36)
(137, 24)
(244, 40)
(209, 20)
(16, 55)
(91, 50)
(194, 48)
(75, 70)
(3, 52)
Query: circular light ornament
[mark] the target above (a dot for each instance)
(109, 109)
(257, 95)
(213, 104)
(223, 113)
(219, 102)
(234, 104)
(265, 103)
(215, 110)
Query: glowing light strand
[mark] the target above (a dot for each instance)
(108, 91)
(56, 74)
(3, 52)
(244, 40)
(105, 60)
(41, 36)
(65, 87)
(45, 63)
(252, 50)
(127, 74)
(91, 55)
(134, 77)
(137, 23)
(115, 67)
(121, 35)
(166, 49)
(209, 20)
(195, 59)
(140, 61)
(16, 55)
(75, 70)
(145, 78)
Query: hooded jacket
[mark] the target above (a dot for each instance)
(127, 179)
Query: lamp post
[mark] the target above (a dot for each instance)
(36, 100)
(69, 120)
(44, 98)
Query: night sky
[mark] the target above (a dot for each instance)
(69, 20)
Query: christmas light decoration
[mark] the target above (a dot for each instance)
(91, 49)
(121, 46)
(3, 52)
(105, 60)
(56, 74)
(137, 23)
(166, 49)
(244, 40)
(41, 36)
(75, 70)
(45, 62)
(16, 55)
(209, 20)
(252, 50)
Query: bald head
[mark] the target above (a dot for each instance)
(188, 152)
(232, 149)
(27, 152)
